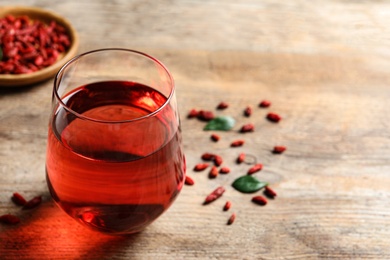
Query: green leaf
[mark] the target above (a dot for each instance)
(224, 123)
(248, 184)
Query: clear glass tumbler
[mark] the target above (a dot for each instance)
(114, 158)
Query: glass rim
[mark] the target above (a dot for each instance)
(60, 73)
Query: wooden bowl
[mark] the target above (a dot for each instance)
(45, 16)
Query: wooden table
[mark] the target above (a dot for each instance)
(325, 65)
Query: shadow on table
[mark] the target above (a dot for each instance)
(48, 233)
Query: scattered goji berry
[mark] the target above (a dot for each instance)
(273, 117)
(237, 143)
(201, 166)
(204, 115)
(222, 105)
(218, 160)
(213, 172)
(215, 137)
(247, 128)
(227, 206)
(279, 149)
(193, 113)
(33, 203)
(260, 200)
(189, 181)
(248, 111)
(265, 103)
(240, 158)
(231, 219)
(269, 192)
(214, 195)
(255, 168)
(224, 170)
(18, 199)
(208, 156)
(9, 219)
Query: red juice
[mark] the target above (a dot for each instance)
(117, 164)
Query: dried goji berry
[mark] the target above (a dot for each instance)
(189, 181)
(237, 143)
(9, 219)
(265, 103)
(192, 113)
(247, 128)
(217, 160)
(205, 115)
(214, 195)
(215, 137)
(38, 60)
(213, 172)
(227, 206)
(260, 200)
(269, 192)
(222, 105)
(231, 219)
(279, 149)
(208, 156)
(34, 202)
(248, 111)
(201, 166)
(257, 167)
(224, 170)
(240, 158)
(18, 199)
(273, 117)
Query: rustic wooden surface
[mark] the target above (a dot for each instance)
(325, 65)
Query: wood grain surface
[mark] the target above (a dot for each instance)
(325, 65)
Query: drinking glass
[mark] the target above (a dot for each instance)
(114, 158)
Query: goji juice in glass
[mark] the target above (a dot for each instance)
(114, 176)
